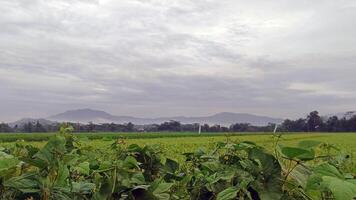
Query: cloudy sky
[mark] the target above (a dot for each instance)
(281, 58)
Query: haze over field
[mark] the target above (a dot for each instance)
(156, 58)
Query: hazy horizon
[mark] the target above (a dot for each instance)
(156, 58)
(168, 116)
(117, 114)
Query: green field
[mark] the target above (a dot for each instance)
(174, 144)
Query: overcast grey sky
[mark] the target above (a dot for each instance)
(280, 58)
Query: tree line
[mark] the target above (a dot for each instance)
(315, 123)
(312, 123)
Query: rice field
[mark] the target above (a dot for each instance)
(174, 144)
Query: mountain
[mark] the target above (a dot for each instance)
(24, 121)
(224, 118)
(83, 115)
(228, 118)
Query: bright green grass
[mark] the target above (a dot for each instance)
(12, 137)
(175, 144)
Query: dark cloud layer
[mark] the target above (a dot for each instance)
(177, 57)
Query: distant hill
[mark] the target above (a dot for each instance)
(224, 118)
(83, 115)
(228, 118)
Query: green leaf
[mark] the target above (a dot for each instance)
(270, 195)
(82, 168)
(62, 175)
(171, 165)
(307, 144)
(163, 196)
(62, 193)
(24, 183)
(301, 175)
(244, 145)
(55, 145)
(270, 169)
(7, 164)
(314, 182)
(162, 188)
(328, 177)
(31, 150)
(228, 194)
(138, 179)
(226, 174)
(328, 170)
(270, 165)
(83, 187)
(134, 148)
(130, 162)
(211, 165)
(341, 189)
(220, 144)
(298, 153)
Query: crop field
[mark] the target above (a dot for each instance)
(175, 144)
(162, 166)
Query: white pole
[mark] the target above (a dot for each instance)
(199, 129)
(275, 128)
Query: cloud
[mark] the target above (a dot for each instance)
(319, 89)
(178, 57)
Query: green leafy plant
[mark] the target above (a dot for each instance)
(69, 168)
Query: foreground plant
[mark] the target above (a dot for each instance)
(67, 168)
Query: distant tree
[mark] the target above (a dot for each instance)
(314, 121)
(190, 127)
(239, 127)
(39, 128)
(112, 127)
(332, 124)
(130, 127)
(224, 129)
(205, 128)
(287, 125)
(91, 127)
(151, 128)
(16, 128)
(170, 126)
(28, 127)
(298, 125)
(352, 123)
(5, 128)
(215, 128)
